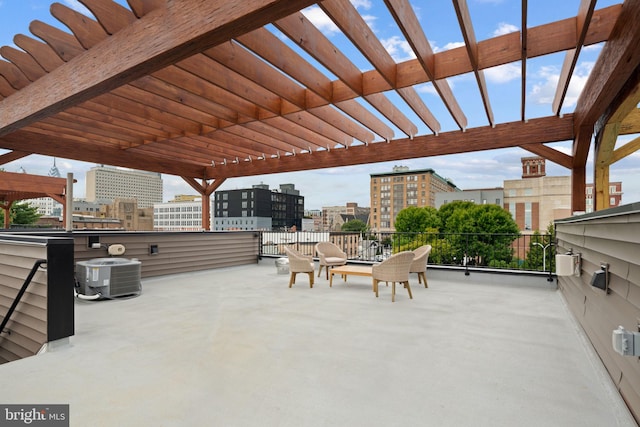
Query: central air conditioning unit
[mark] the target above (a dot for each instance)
(109, 277)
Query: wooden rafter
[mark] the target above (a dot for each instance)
(208, 90)
(464, 18)
(523, 61)
(585, 12)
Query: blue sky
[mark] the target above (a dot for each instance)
(351, 184)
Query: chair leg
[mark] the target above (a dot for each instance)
(326, 270)
(424, 279)
(406, 285)
(310, 279)
(375, 287)
(319, 270)
(292, 279)
(419, 278)
(393, 291)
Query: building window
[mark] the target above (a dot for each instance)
(612, 201)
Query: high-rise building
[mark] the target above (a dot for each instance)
(109, 183)
(259, 208)
(393, 191)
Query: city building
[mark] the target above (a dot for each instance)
(615, 195)
(105, 182)
(393, 191)
(481, 196)
(46, 205)
(536, 200)
(259, 208)
(178, 215)
(316, 217)
(334, 216)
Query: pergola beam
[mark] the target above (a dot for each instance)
(196, 26)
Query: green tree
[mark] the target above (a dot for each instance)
(22, 214)
(356, 225)
(479, 234)
(411, 220)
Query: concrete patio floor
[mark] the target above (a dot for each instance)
(237, 347)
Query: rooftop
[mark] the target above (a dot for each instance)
(237, 347)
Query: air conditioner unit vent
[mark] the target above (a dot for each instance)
(109, 277)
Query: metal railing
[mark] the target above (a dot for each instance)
(21, 292)
(524, 252)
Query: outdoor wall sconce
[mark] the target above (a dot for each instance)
(93, 242)
(600, 278)
(154, 250)
(569, 264)
(626, 343)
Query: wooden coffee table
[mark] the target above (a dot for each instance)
(350, 270)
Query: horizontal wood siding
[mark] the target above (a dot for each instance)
(612, 237)
(28, 324)
(177, 252)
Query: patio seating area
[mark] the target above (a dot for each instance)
(237, 347)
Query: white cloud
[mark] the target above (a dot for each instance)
(503, 73)
(398, 48)
(364, 4)
(544, 91)
(505, 28)
(449, 46)
(320, 20)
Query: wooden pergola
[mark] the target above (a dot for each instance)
(207, 91)
(21, 186)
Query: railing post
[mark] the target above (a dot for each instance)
(466, 255)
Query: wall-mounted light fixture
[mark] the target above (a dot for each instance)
(625, 342)
(600, 278)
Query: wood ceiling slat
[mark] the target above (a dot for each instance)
(129, 120)
(347, 18)
(65, 45)
(223, 148)
(137, 92)
(127, 125)
(301, 132)
(314, 124)
(247, 65)
(412, 98)
(12, 155)
(51, 127)
(464, 19)
(185, 148)
(364, 116)
(233, 105)
(13, 75)
(25, 62)
(308, 37)
(196, 26)
(241, 147)
(273, 50)
(271, 145)
(281, 135)
(523, 60)
(142, 7)
(585, 12)
(99, 131)
(52, 145)
(45, 54)
(5, 88)
(88, 32)
(149, 112)
(111, 16)
(408, 23)
(41, 52)
(350, 22)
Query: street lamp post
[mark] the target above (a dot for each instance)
(544, 254)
